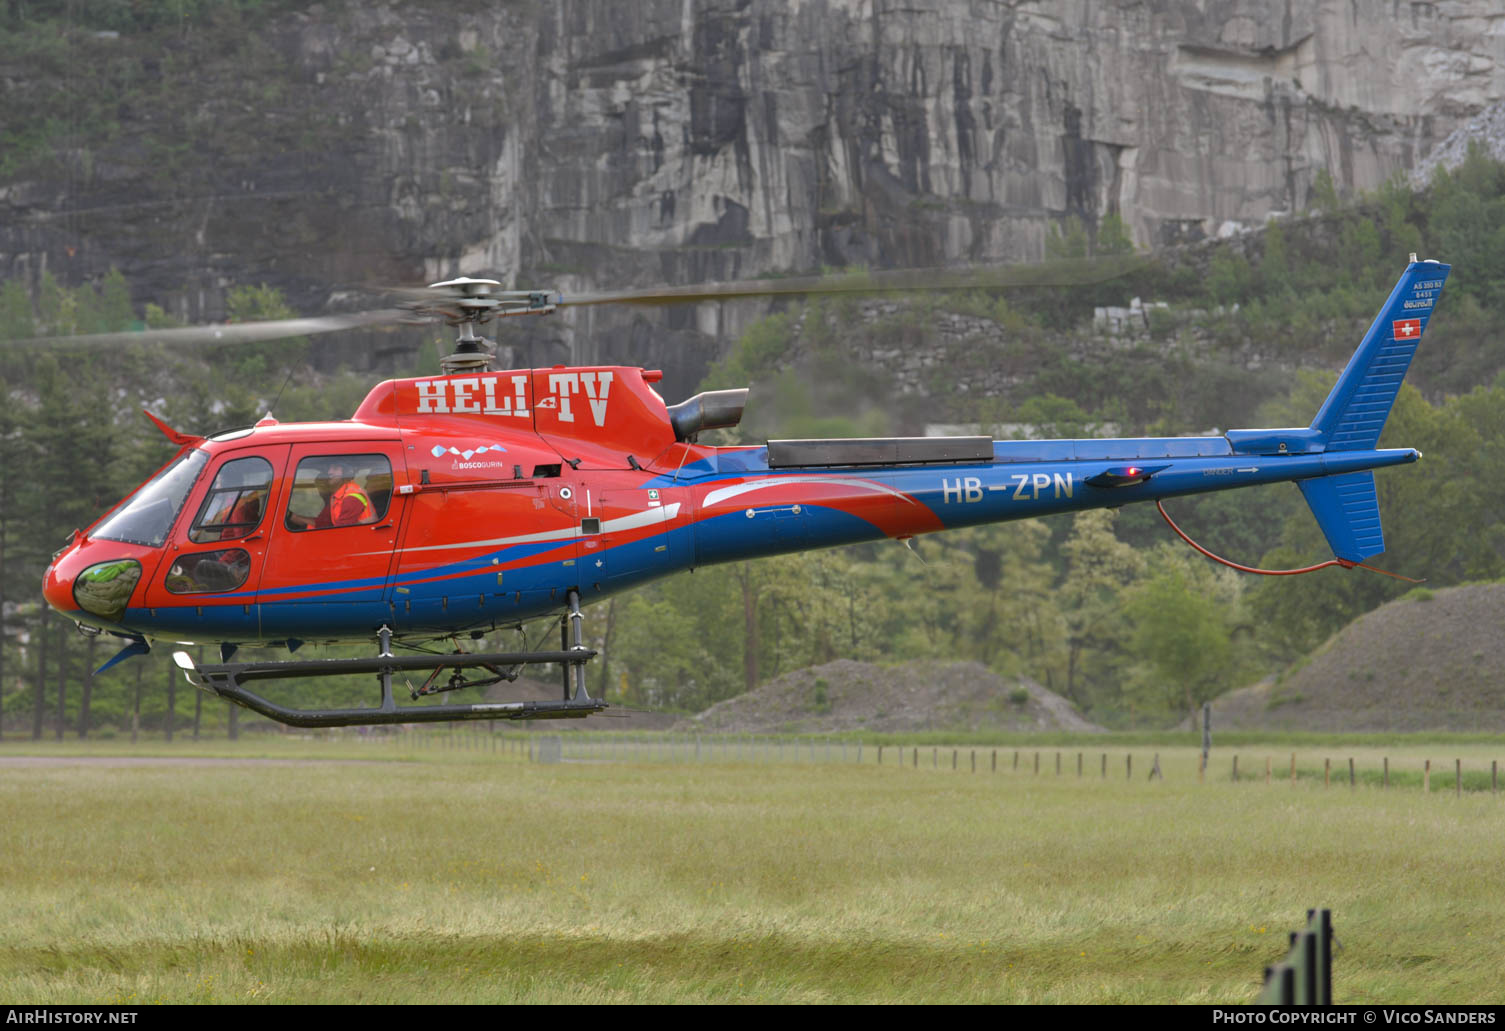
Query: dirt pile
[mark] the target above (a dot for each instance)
(849, 695)
(1429, 661)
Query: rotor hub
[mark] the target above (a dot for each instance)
(466, 303)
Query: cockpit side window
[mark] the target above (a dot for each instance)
(339, 490)
(148, 516)
(235, 503)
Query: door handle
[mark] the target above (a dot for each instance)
(383, 526)
(252, 537)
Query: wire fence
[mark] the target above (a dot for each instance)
(1129, 765)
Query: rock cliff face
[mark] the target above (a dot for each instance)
(596, 143)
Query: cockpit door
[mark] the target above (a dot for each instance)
(334, 530)
(206, 582)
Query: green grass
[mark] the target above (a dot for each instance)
(469, 876)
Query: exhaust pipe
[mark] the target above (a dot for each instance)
(708, 410)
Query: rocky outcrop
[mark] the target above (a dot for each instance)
(592, 143)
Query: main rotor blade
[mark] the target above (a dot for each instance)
(229, 333)
(1073, 272)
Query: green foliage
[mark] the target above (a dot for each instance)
(1324, 196)
(758, 353)
(1229, 279)
(1056, 417)
(254, 363)
(1066, 239)
(1113, 236)
(17, 321)
(130, 15)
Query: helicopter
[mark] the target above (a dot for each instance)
(480, 499)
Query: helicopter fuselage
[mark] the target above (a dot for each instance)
(482, 500)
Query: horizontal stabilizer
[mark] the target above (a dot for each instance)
(1348, 510)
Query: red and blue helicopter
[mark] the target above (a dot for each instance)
(477, 500)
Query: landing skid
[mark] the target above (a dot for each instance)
(227, 681)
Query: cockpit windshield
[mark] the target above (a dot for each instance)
(147, 517)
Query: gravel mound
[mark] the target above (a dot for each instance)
(849, 695)
(1429, 661)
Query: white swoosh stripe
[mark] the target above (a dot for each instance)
(647, 517)
(725, 493)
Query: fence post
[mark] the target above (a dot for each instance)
(1327, 772)
(1494, 776)
(1293, 769)
(1235, 768)
(1426, 777)
(880, 755)
(1129, 766)
(1351, 782)
(917, 758)
(1458, 778)
(953, 759)
(974, 760)
(1267, 769)
(1079, 764)
(1058, 764)
(1105, 766)
(1016, 760)
(995, 760)
(1037, 764)
(1386, 782)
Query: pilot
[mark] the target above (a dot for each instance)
(345, 504)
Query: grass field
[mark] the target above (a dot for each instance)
(466, 876)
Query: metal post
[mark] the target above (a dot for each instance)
(388, 703)
(577, 643)
(564, 646)
(1206, 732)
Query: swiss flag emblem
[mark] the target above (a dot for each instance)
(1406, 329)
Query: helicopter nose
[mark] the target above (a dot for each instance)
(57, 589)
(84, 585)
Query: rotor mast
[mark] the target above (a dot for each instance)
(471, 302)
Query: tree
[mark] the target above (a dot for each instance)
(1099, 566)
(1066, 239)
(1113, 236)
(1182, 637)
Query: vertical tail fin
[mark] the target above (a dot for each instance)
(1355, 412)
(1346, 506)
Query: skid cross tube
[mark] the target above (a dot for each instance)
(225, 681)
